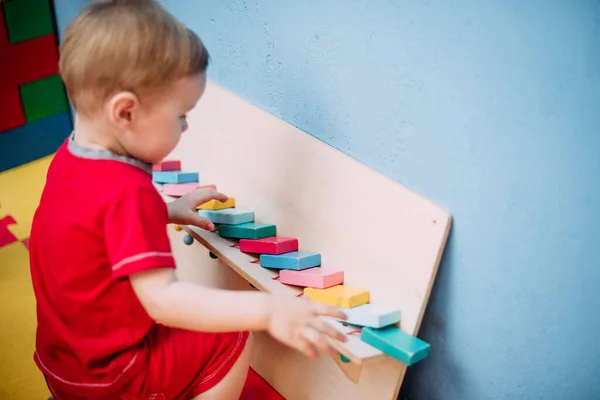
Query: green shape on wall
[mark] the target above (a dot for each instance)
(27, 19)
(43, 98)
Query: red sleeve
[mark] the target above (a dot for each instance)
(135, 231)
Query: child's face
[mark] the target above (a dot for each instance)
(160, 121)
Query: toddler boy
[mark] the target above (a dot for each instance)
(113, 320)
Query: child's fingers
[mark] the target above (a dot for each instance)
(221, 197)
(201, 196)
(318, 340)
(324, 309)
(201, 222)
(304, 346)
(329, 330)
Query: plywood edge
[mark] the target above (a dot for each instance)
(438, 260)
(261, 278)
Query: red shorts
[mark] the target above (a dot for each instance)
(181, 364)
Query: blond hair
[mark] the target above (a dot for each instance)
(126, 45)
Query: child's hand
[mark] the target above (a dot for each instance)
(183, 210)
(295, 322)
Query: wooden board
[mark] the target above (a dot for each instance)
(386, 238)
(263, 279)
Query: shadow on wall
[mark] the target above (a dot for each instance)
(434, 331)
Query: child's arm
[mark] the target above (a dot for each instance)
(191, 306)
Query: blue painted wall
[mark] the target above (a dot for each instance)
(489, 108)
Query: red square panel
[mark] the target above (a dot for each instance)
(26, 61)
(11, 110)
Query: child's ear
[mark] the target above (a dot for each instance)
(121, 108)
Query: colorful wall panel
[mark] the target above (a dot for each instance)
(34, 110)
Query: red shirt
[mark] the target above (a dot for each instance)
(100, 219)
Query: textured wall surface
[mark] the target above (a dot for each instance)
(491, 109)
